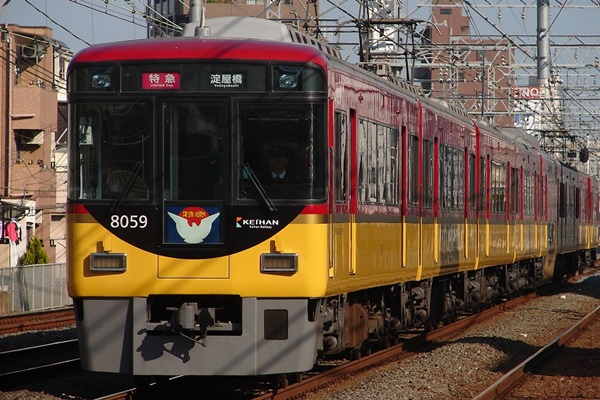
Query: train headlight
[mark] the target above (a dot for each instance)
(108, 262)
(279, 262)
(288, 81)
(101, 81)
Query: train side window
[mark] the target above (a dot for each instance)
(413, 171)
(377, 163)
(427, 174)
(483, 190)
(498, 187)
(445, 178)
(472, 175)
(459, 182)
(452, 178)
(341, 156)
(363, 162)
(514, 190)
(528, 195)
(540, 196)
(392, 167)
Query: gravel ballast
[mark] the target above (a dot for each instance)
(462, 367)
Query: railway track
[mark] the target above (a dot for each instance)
(22, 365)
(396, 352)
(37, 320)
(518, 375)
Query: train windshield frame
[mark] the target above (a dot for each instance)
(178, 141)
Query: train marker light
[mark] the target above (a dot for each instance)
(109, 262)
(101, 81)
(279, 262)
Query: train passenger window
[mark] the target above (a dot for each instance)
(483, 189)
(364, 167)
(427, 174)
(113, 150)
(498, 187)
(341, 156)
(515, 190)
(528, 193)
(445, 177)
(472, 179)
(452, 179)
(459, 188)
(377, 163)
(413, 171)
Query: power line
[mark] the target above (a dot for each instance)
(57, 23)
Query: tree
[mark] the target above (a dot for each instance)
(34, 254)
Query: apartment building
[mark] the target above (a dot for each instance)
(33, 168)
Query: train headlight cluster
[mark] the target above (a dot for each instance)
(108, 262)
(279, 262)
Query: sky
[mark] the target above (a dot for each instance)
(75, 23)
(78, 25)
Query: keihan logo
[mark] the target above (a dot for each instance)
(241, 222)
(193, 223)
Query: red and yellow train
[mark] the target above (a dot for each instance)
(396, 212)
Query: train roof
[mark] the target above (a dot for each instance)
(258, 28)
(189, 48)
(517, 135)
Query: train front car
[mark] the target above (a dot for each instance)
(191, 252)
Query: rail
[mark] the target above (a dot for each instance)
(33, 288)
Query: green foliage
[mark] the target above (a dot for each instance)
(35, 254)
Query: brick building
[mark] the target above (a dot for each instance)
(469, 72)
(32, 141)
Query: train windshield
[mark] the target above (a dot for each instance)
(114, 151)
(194, 141)
(280, 156)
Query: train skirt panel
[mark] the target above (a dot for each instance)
(274, 336)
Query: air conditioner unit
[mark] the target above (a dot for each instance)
(33, 50)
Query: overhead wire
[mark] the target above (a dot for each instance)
(57, 23)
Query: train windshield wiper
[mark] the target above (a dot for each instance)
(127, 188)
(261, 190)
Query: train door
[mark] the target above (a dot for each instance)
(471, 233)
(412, 227)
(342, 217)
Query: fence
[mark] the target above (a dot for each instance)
(33, 288)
